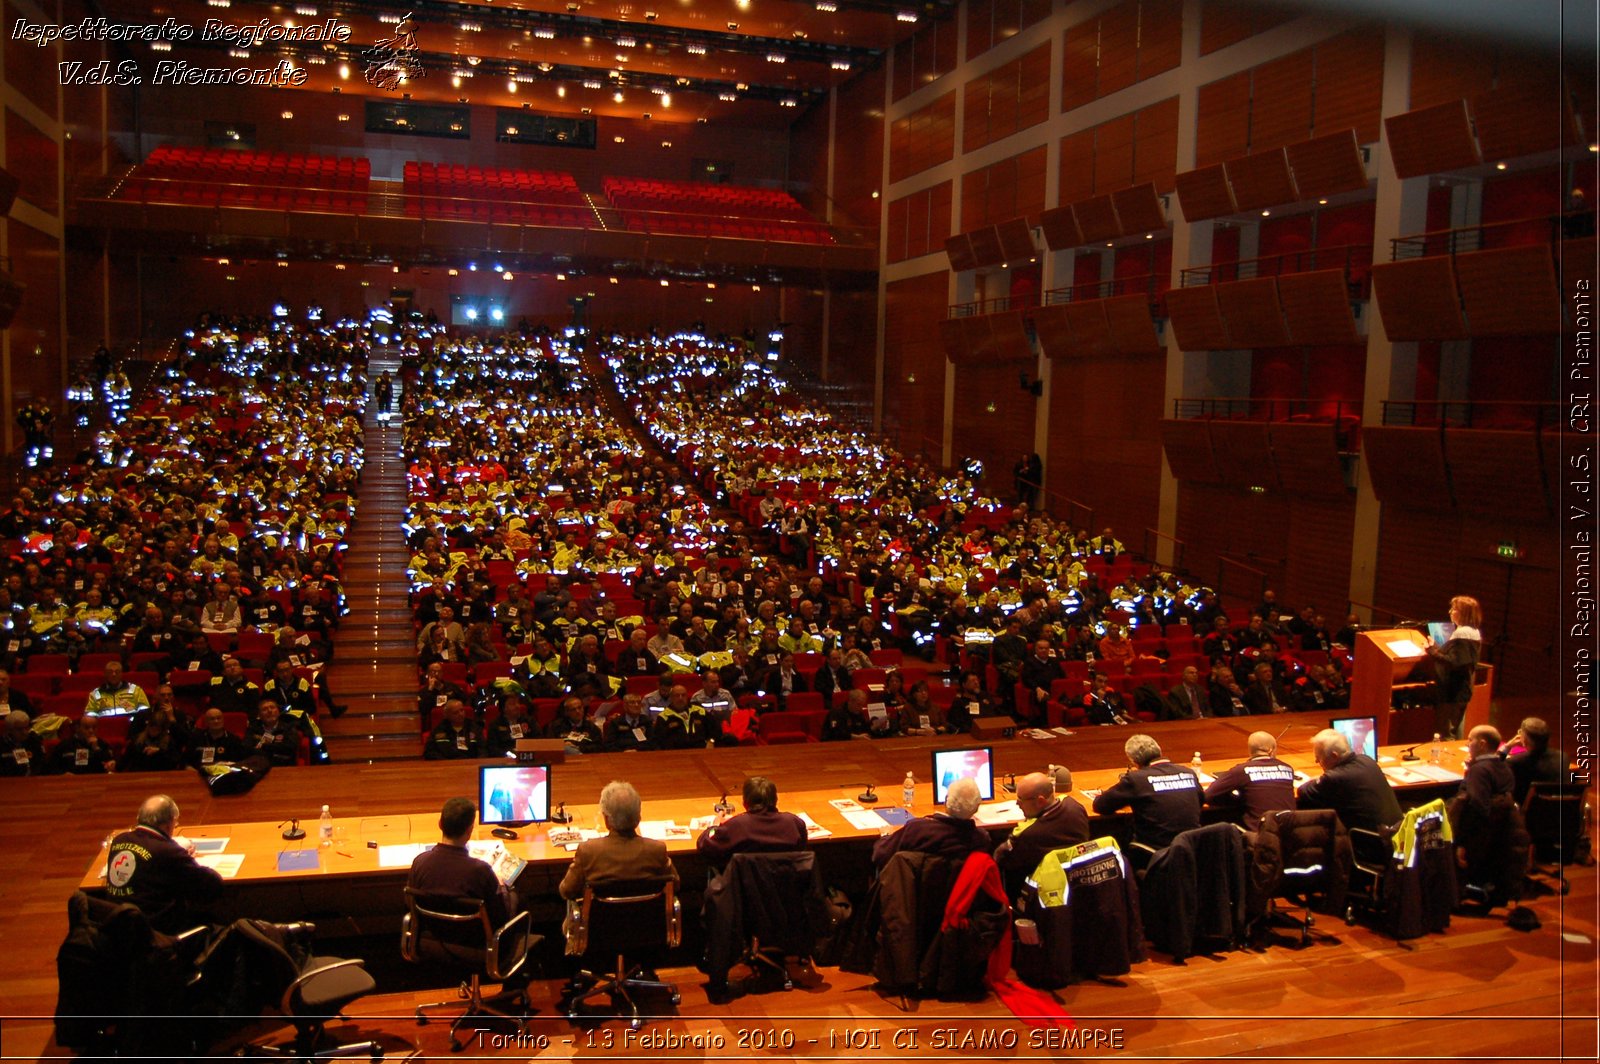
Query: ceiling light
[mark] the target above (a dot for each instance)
(392, 20)
(286, 115)
(742, 86)
(695, 49)
(592, 85)
(561, 91)
(545, 33)
(511, 131)
(789, 102)
(395, 269)
(561, 277)
(841, 64)
(1147, 236)
(1499, 166)
(454, 272)
(627, 42)
(219, 3)
(506, 276)
(472, 27)
(726, 96)
(733, 27)
(827, 5)
(755, 288)
(455, 81)
(338, 265)
(1594, 147)
(905, 16)
(777, 57)
(224, 262)
(473, 60)
(645, 116)
(666, 144)
(546, 67)
(1322, 203)
(511, 85)
(664, 282)
(666, 99)
(587, 111)
(1266, 214)
(161, 46)
(650, 16)
(238, 53)
(307, 11)
(744, 5)
(616, 97)
(613, 280)
(344, 117)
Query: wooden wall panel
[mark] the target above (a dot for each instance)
(1350, 83)
(1509, 291)
(1321, 532)
(913, 309)
(1446, 68)
(1160, 36)
(1077, 167)
(1196, 319)
(1242, 525)
(1187, 444)
(1406, 466)
(1316, 307)
(1113, 154)
(1138, 209)
(1105, 447)
(1060, 228)
(859, 128)
(1432, 140)
(1091, 333)
(1513, 120)
(922, 139)
(1418, 301)
(999, 437)
(1244, 454)
(1494, 471)
(1223, 126)
(1097, 218)
(924, 57)
(1155, 145)
(1307, 454)
(919, 223)
(1119, 47)
(1133, 332)
(1280, 106)
(1327, 165)
(1251, 311)
(1261, 179)
(1080, 68)
(1204, 193)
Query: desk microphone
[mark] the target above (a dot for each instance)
(868, 796)
(294, 832)
(722, 806)
(561, 816)
(1010, 785)
(1410, 753)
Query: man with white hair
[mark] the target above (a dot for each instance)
(154, 868)
(1165, 798)
(949, 834)
(622, 854)
(1351, 784)
(1262, 784)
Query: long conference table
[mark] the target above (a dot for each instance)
(354, 883)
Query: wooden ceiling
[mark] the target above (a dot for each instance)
(733, 61)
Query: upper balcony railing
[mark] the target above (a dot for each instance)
(1469, 414)
(998, 305)
(1354, 259)
(1539, 229)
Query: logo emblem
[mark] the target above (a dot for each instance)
(122, 868)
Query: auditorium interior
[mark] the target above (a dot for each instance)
(1114, 317)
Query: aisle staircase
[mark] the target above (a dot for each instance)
(374, 669)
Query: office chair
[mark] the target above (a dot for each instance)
(1497, 849)
(1317, 861)
(457, 932)
(606, 925)
(1553, 815)
(314, 990)
(1405, 875)
(762, 909)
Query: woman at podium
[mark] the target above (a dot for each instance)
(1455, 664)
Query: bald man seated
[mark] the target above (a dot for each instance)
(1260, 785)
(1051, 820)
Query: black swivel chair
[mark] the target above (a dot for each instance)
(762, 909)
(314, 991)
(1553, 815)
(1408, 892)
(1317, 861)
(458, 934)
(604, 927)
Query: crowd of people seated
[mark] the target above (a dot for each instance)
(190, 559)
(783, 554)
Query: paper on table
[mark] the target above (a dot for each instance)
(1404, 648)
(844, 805)
(1039, 733)
(1062, 731)
(1436, 773)
(210, 846)
(862, 819)
(815, 830)
(402, 854)
(225, 863)
(1404, 775)
(662, 830)
(998, 813)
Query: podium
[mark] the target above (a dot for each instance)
(1385, 659)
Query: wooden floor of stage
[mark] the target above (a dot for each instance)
(1479, 991)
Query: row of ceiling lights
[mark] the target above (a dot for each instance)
(504, 273)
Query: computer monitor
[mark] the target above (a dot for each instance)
(513, 795)
(1360, 732)
(951, 765)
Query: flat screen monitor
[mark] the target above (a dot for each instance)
(1360, 732)
(513, 795)
(951, 765)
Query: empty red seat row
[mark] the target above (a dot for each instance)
(241, 178)
(694, 209)
(514, 197)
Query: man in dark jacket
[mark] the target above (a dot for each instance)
(1487, 777)
(761, 828)
(154, 868)
(1050, 822)
(1351, 784)
(949, 834)
(1165, 798)
(1261, 785)
(1535, 761)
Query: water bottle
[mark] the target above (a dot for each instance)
(1194, 762)
(908, 792)
(325, 827)
(1436, 752)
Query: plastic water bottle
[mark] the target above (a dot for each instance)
(1194, 762)
(1436, 752)
(325, 827)
(908, 792)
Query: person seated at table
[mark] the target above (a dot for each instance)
(761, 828)
(214, 742)
(1039, 671)
(510, 727)
(1165, 798)
(782, 681)
(435, 692)
(628, 726)
(622, 854)
(1051, 820)
(832, 677)
(574, 728)
(455, 737)
(950, 834)
(635, 659)
(1102, 704)
(21, 751)
(921, 715)
(1351, 784)
(1225, 694)
(655, 701)
(683, 725)
(233, 692)
(1187, 700)
(273, 735)
(715, 699)
(157, 747)
(853, 719)
(1259, 785)
(1116, 651)
(153, 867)
(1531, 759)
(448, 870)
(83, 752)
(1487, 777)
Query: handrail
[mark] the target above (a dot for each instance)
(1343, 414)
(1472, 237)
(1074, 509)
(1178, 545)
(997, 305)
(1345, 256)
(1462, 413)
(1147, 284)
(1223, 561)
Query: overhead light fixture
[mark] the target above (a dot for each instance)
(755, 288)
(727, 96)
(454, 272)
(545, 68)
(616, 97)
(695, 49)
(224, 262)
(1322, 203)
(613, 280)
(827, 5)
(905, 16)
(455, 81)
(306, 10)
(650, 16)
(627, 42)
(841, 64)
(666, 144)
(1499, 166)
(473, 60)
(472, 27)
(506, 276)
(1266, 214)
(545, 33)
(733, 27)
(344, 117)
(777, 57)
(286, 115)
(561, 91)
(511, 85)
(592, 85)
(665, 283)
(666, 99)
(789, 101)
(161, 46)
(1147, 236)
(338, 265)
(561, 277)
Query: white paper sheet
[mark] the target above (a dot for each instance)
(227, 864)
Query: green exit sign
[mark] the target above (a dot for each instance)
(1507, 549)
